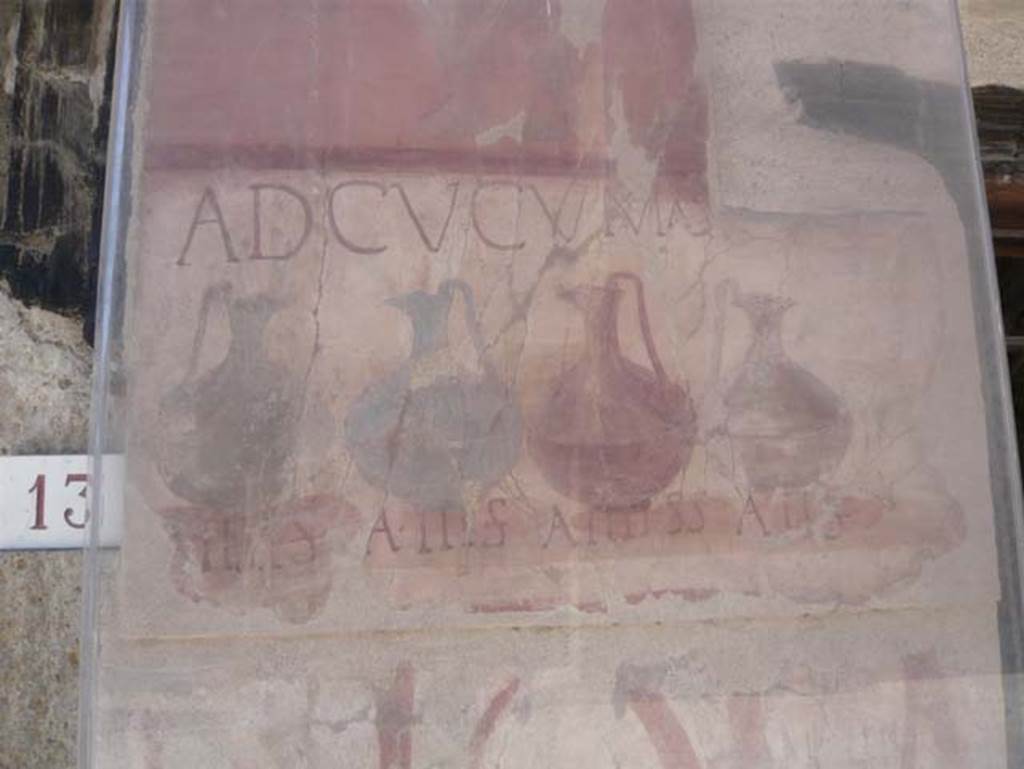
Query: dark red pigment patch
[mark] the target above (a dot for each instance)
(497, 707)
(402, 82)
(666, 732)
(692, 595)
(394, 720)
(650, 49)
(278, 557)
(529, 605)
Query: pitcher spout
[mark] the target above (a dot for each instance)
(428, 314)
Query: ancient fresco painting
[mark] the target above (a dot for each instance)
(539, 319)
(634, 697)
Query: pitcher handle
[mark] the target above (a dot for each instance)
(645, 323)
(216, 291)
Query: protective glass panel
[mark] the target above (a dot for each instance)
(554, 383)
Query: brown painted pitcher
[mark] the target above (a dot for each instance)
(613, 433)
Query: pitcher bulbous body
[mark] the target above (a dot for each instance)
(431, 430)
(790, 428)
(612, 433)
(229, 433)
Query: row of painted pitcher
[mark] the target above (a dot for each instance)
(613, 433)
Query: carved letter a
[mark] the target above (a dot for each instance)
(209, 196)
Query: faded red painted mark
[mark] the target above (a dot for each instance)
(929, 709)
(154, 750)
(859, 513)
(485, 727)
(746, 718)
(394, 720)
(650, 49)
(519, 606)
(277, 557)
(528, 605)
(693, 595)
(667, 733)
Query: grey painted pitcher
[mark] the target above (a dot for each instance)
(433, 433)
